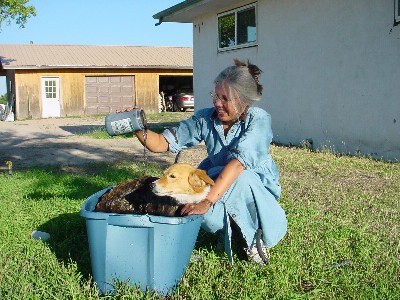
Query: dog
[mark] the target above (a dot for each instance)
(164, 196)
(184, 183)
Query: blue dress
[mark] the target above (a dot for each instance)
(251, 201)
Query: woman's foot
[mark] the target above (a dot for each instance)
(257, 251)
(253, 254)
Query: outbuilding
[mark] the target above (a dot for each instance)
(73, 80)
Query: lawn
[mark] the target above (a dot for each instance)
(343, 240)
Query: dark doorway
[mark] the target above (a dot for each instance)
(170, 84)
(172, 88)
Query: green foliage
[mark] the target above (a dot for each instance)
(226, 29)
(16, 10)
(342, 242)
(3, 99)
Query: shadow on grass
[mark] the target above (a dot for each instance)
(86, 180)
(88, 129)
(82, 129)
(207, 240)
(69, 240)
(213, 242)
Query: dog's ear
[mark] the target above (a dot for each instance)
(203, 175)
(198, 178)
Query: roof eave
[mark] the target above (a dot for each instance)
(95, 67)
(189, 10)
(175, 13)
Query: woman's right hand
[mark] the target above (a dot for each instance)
(196, 208)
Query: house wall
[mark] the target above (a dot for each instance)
(331, 72)
(72, 89)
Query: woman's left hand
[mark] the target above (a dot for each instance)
(195, 208)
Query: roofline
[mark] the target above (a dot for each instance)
(95, 67)
(92, 45)
(187, 11)
(173, 9)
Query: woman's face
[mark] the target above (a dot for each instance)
(228, 107)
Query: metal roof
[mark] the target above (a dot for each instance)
(32, 56)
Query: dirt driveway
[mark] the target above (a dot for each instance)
(59, 142)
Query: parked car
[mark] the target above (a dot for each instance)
(183, 99)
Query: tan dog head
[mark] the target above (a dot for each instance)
(184, 183)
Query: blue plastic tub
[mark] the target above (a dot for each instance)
(150, 252)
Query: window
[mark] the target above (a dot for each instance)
(50, 89)
(237, 28)
(397, 11)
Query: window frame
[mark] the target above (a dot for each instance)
(397, 11)
(235, 12)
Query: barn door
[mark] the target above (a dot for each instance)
(51, 97)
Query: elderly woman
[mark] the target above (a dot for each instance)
(237, 136)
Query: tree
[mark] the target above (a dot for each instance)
(3, 99)
(226, 26)
(17, 10)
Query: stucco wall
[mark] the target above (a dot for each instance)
(331, 72)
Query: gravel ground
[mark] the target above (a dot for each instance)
(59, 142)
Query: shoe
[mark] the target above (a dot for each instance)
(257, 252)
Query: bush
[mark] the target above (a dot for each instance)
(3, 99)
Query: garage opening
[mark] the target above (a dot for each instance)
(174, 89)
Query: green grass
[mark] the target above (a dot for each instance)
(343, 240)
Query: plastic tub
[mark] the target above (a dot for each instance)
(150, 252)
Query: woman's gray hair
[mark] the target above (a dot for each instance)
(243, 79)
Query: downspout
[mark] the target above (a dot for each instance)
(159, 21)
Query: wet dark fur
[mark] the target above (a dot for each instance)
(136, 197)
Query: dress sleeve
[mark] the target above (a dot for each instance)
(186, 134)
(252, 148)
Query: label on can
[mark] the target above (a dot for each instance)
(122, 126)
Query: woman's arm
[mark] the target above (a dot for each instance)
(153, 141)
(228, 175)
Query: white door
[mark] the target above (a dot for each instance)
(51, 97)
